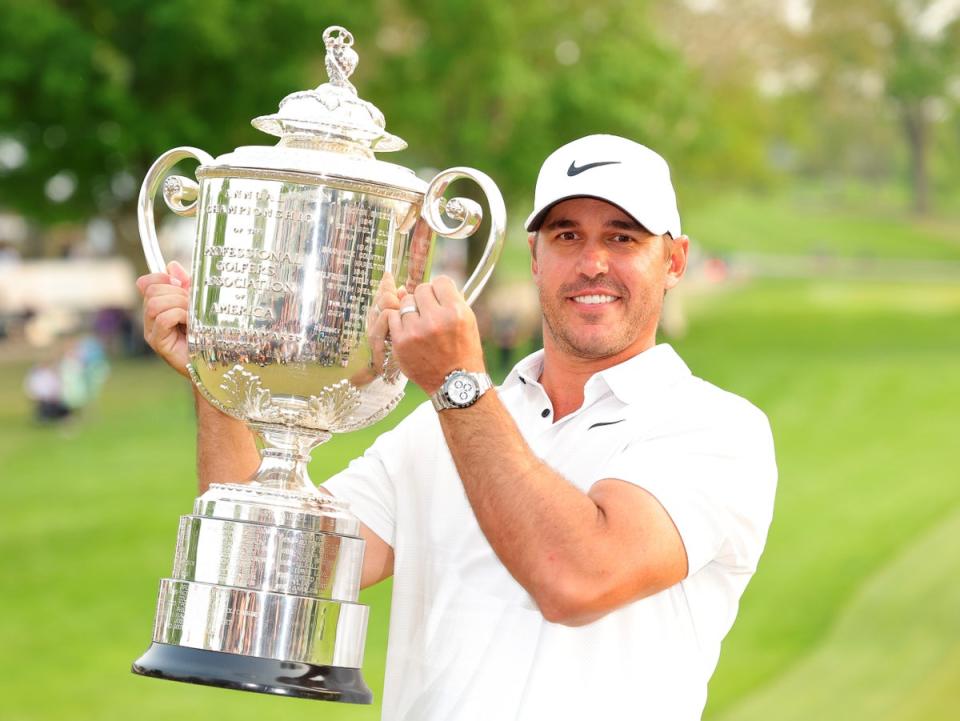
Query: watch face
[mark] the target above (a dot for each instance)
(461, 390)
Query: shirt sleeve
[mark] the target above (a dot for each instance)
(716, 478)
(370, 483)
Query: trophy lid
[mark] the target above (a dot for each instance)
(327, 132)
(332, 116)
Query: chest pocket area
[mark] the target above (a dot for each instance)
(583, 449)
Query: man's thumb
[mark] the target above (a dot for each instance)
(179, 272)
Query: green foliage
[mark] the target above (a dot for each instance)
(884, 75)
(476, 83)
(100, 89)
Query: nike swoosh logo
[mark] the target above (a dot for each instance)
(574, 170)
(605, 423)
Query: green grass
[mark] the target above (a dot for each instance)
(800, 225)
(845, 223)
(852, 615)
(892, 653)
(862, 401)
(90, 527)
(856, 587)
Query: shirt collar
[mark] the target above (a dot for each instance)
(645, 373)
(527, 370)
(630, 381)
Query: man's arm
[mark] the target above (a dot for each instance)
(579, 555)
(226, 451)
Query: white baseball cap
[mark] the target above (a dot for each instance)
(614, 169)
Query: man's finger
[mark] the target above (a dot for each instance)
(446, 291)
(426, 299)
(166, 332)
(178, 274)
(160, 303)
(158, 289)
(145, 281)
(170, 318)
(377, 335)
(394, 324)
(409, 310)
(382, 301)
(386, 295)
(387, 283)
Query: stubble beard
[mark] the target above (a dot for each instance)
(619, 336)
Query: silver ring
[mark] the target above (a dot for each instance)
(408, 309)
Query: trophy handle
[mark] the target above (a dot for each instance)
(468, 215)
(179, 193)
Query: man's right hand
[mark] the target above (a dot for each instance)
(165, 301)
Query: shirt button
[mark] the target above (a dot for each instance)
(545, 412)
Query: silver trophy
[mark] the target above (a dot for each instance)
(292, 242)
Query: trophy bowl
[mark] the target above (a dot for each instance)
(292, 243)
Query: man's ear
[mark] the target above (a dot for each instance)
(677, 262)
(532, 242)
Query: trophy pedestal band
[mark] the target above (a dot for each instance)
(249, 673)
(260, 624)
(258, 556)
(262, 607)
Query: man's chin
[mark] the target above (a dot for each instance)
(580, 338)
(594, 348)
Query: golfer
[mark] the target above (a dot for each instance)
(572, 544)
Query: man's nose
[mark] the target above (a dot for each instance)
(593, 260)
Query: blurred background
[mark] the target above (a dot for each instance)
(815, 146)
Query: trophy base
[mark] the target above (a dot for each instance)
(251, 673)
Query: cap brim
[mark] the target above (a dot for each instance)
(536, 218)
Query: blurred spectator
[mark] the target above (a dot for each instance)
(506, 337)
(85, 362)
(63, 387)
(8, 254)
(511, 319)
(116, 331)
(42, 386)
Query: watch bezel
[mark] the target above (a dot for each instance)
(451, 379)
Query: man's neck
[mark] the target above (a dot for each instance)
(565, 375)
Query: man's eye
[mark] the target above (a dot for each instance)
(567, 235)
(623, 239)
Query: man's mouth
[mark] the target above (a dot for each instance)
(593, 299)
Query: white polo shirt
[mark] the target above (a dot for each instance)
(466, 641)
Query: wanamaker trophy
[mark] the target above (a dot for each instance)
(292, 242)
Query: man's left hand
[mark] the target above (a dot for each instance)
(441, 336)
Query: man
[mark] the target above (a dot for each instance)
(574, 543)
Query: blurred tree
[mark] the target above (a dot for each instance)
(94, 91)
(907, 51)
(734, 46)
(855, 89)
(500, 85)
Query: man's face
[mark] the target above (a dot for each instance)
(601, 278)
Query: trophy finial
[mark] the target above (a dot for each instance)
(332, 116)
(341, 59)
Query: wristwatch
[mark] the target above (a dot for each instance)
(461, 389)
